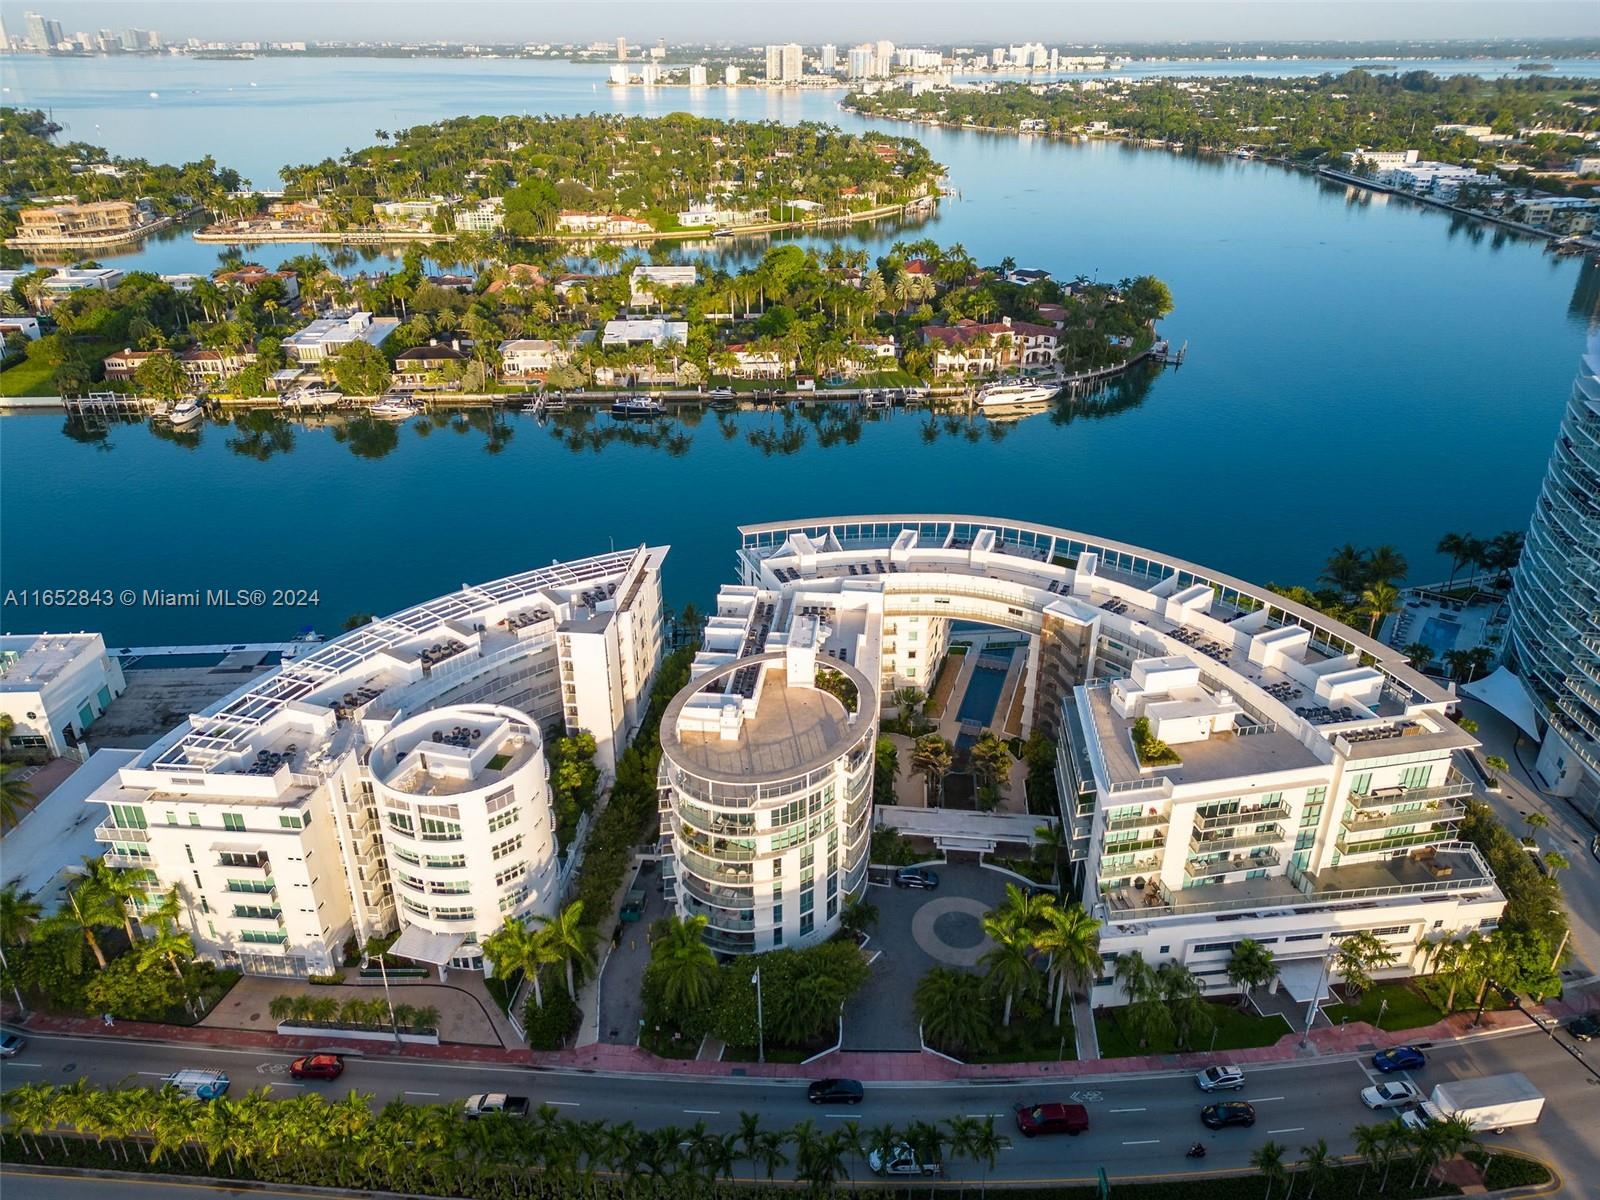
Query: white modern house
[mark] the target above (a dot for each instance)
(324, 337)
(525, 358)
(649, 283)
(645, 331)
(1308, 788)
(395, 776)
(54, 686)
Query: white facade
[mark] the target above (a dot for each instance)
(54, 686)
(522, 357)
(487, 216)
(648, 283)
(1314, 791)
(326, 336)
(645, 331)
(289, 814)
(697, 76)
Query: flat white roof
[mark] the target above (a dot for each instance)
(29, 661)
(45, 849)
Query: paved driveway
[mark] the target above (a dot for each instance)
(915, 931)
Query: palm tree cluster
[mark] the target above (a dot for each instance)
(563, 941)
(1166, 1003)
(302, 1009)
(1366, 582)
(1497, 555)
(435, 1150)
(1393, 1143)
(1041, 951)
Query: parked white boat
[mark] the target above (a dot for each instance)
(395, 408)
(1013, 393)
(185, 413)
(636, 406)
(310, 397)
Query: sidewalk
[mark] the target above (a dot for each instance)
(881, 1067)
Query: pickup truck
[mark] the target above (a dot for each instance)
(496, 1102)
(1489, 1102)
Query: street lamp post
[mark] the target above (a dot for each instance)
(761, 1029)
(1511, 998)
(394, 1026)
(1311, 1005)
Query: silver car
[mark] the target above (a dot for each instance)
(1397, 1093)
(1220, 1079)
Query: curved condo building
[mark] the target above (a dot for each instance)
(394, 778)
(1555, 629)
(1230, 764)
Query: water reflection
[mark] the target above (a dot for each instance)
(260, 434)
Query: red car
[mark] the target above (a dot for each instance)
(1033, 1119)
(317, 1066)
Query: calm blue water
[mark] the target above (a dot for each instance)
(983, 693)
(1358, 371)
(1439, 636)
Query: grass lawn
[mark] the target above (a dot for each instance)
(27, 379)
(662, 1045)
(1406, 1008)
(1236, 1030)
(1032, 1041)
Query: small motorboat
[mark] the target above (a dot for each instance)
(185, 413)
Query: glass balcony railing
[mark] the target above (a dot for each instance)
(1351, 843)
(1227, 865)
(1362, 821)
(1243, 816)
(1241, 841)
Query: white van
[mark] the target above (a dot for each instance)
(202, 1085)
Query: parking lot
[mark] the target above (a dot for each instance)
(915, 931)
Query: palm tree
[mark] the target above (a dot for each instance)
(684, 964)
(1070, 938)
(976, 1138)
(932, 757)
(1009, 962)
(1345, 569)
(1268, 1159)
(569, 939)
(1250, 966)
(1418, 654)
(19, 913)
(950, 1007)
(1458, 547)
(514, 947)
(16, 797)
(1140, 983)
(1371, 1144)
(1183, 995)
(1380, 599)
(87, 909)
(1385, 564)
(1317, 1163)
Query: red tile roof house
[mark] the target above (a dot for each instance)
(1039, 342)
(957, 348)
(120, 366)
(421, 366)
(918, 266)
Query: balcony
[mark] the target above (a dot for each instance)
(126, 861)
(1455, 787)
(107, 832)
(1143, 820)
(1261, 837)
(1243, 816)
(1144, 866)
(1258, 861)
(1155, 842)
(1364, 821)
(1355, 844)
(237, 861)
(714, 896)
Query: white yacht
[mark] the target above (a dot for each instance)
(636, 406)
(311, 397)
(1012, 393)
(395, 408)
(185, 413)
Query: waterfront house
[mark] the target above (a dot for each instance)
(706, 216)
(16, 330)
(648, 282)
(601, 223)
(968, 348)
(645, 331)
(428, 366)
(1038, 343)
(753, 363)
(487, 216)
(74, 279)
(1026, 275)
(326, 336)
(1053, 314)
(183, 281)
(203, 368)
(64, 222)
(564, 284)
(120, 366)
(525, 359)
(453, 283)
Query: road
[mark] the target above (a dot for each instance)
(1139, 1126)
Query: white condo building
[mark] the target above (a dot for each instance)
(395, 776)
(1310, 791)
(53, 686)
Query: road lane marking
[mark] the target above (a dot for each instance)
(704, 1112)
(1291, 1129)
(843, 1116)
(157, 1074)
(422, 1093)
(982, 1115)
(1146, 1142)
(12, 1066)
(1115, 1110)
(562, 1103)
(1262, 1099)
(285, 1083)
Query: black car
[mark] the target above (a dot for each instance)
(1229, 1112)
(916, 877)
(1585, 1028)
(835, 1091)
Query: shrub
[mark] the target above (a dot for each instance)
(1152, 751)
(549, 1027)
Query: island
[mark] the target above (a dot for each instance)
(801, 320)
(1515, 150)
(592, 178)
(77, 197)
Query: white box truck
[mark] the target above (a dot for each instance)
(1489, 1102)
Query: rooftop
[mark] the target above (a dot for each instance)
(29, 661)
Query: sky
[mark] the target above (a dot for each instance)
(812, 21)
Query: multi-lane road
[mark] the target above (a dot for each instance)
(1139, 1125)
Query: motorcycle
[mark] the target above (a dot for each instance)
(1197, 1150)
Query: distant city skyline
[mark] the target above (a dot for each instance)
(921, 21)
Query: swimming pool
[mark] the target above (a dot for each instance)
(983, 693)
(1439, 635)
